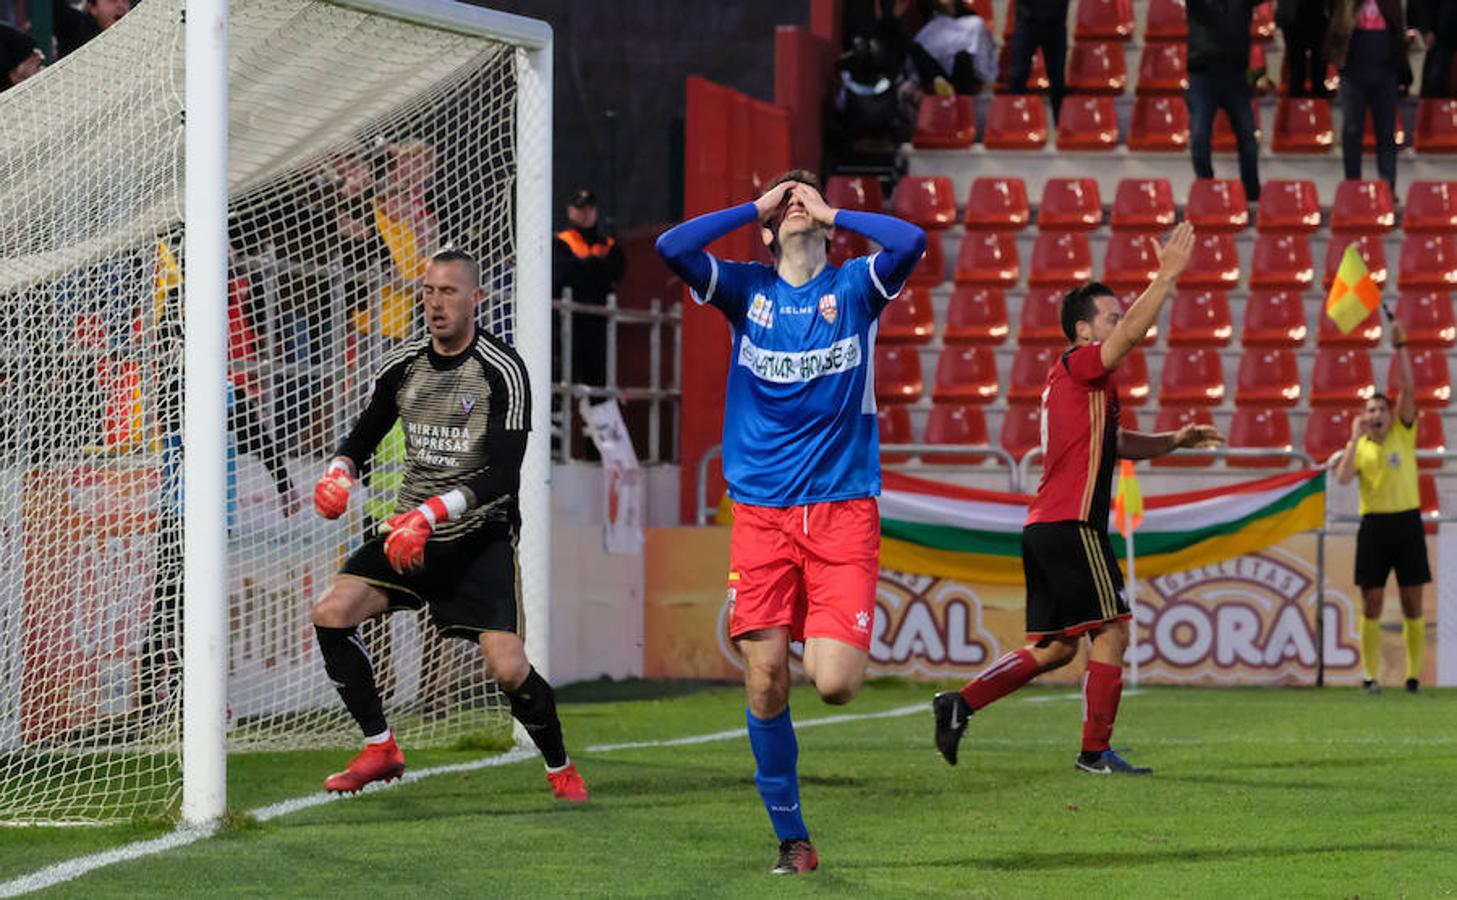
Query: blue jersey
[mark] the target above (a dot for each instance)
(799, 417)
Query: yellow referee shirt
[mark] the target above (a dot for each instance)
(1388, 470)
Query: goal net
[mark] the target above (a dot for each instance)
(360, 143)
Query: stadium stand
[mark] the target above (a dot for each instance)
(997, 204)
(1143, 204)
(958, 424)
(1070, 204)
(976, 315)
(1261, 427)
(967, 374)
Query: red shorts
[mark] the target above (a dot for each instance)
(812, 568)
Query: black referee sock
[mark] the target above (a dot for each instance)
(534, 706)
(346, 662)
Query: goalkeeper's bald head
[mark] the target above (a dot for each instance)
(468, 263)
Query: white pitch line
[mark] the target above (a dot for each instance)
(72, 869)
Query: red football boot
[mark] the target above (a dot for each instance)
(796, 858)
(567, 784)
(378, 762)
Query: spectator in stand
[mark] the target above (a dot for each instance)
(1219, 78)
(1040, 24)
(1436, 20)
(75, 27)
(953, 52)
(20, 57)
(876, 98)
(1304, 24)
(590, 263)
(1367, 42)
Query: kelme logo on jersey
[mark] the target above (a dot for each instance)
(829, 308)
(787, 367)
(761, 311)
(468, 403)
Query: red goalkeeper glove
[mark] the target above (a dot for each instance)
(331, 493)
(408, 531)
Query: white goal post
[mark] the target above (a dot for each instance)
(212, 221)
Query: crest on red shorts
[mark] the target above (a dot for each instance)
(829, 308)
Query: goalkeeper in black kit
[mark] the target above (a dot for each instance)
(464, 403)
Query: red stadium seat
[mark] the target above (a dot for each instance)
(1070, 204)
(1165, 20)
(1087, 123)
(1060, 259)
(1130, 260)
(1434, 380)
(997, 204)
(1224, 140)
(1428, 261)
(1436, 126)
(1262, 23)
(1022, 428)
(1364, 206)
(988, 258)
(1143, 204)
(1132, 379)
(1160, 125)
(1371, 248)
(1327, 431)
(1427, 316)
(858, 192)
(1273, 318)
(1037, 80)
(1431, 501)
(931, 270)
(1041, 321)
(908, 319)
(960, 424)
(898, 377)
(1200, 318)
(1163, 69)
(966, 374)
(925, 200)
(976, 315)
(1097, 68)
(1192, 376)
(945, 123)
(1016, 122)
(1303, 125)
(1366, 335)
(1172, 418)
(1288, 206)
(1430, 206)
(1214, 262)
(847, 245)
(1262, 427)
(1029, 373)
(1268, 376)
(1104, 20)
(895, 428)
(1217, 204)
(1281, 261)
(1431, 435)
(1342, 377)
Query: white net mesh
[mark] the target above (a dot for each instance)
(359, 144)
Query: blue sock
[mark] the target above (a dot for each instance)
(777, 754)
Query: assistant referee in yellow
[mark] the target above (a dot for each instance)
(1382, 452)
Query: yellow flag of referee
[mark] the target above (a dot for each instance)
(1354, 296)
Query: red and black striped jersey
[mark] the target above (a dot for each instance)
(1079, 440)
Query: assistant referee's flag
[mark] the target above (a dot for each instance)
(1128, 502)
(1353, 296)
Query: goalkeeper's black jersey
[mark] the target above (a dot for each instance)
(465, 419)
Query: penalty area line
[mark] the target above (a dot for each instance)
(71, 869)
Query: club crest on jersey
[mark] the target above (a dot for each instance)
(761, 311)
(468, 403)
(829, 308)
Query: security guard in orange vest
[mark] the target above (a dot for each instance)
(590, 264)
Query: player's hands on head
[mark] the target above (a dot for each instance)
(1174, 254)
(814, 204)
(331, 493)
(771, 199)
(405, 545)
(1196, 435)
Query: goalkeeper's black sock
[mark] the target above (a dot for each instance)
(534, 706)
(346, 662)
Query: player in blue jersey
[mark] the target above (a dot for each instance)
(801, 454)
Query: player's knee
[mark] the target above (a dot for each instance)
(768, 689)
(331, 611)
(838, 693)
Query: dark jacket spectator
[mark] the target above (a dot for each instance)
(20, 57)
(1367, 42)
(1437, 22)
(1304, 24)
(73, 27)
(1219, 78)
(1040, 24)
(1219, 34)
(590, 263)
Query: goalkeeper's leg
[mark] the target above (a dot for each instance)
(337, 616)
(533, 704)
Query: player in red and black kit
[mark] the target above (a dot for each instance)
(1074, 587)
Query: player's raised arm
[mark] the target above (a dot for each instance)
(1147, 445)
(682, 246)
(1134, 326)
(331, 492)
(901, 244)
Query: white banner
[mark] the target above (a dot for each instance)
(622, 479)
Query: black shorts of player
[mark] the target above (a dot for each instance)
(471, 584)
(1073, 582)
(1387, 541)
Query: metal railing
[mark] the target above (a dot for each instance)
(656, 394)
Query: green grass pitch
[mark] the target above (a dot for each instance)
(1256, 792)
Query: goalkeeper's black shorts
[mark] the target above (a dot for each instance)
(471, 584)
